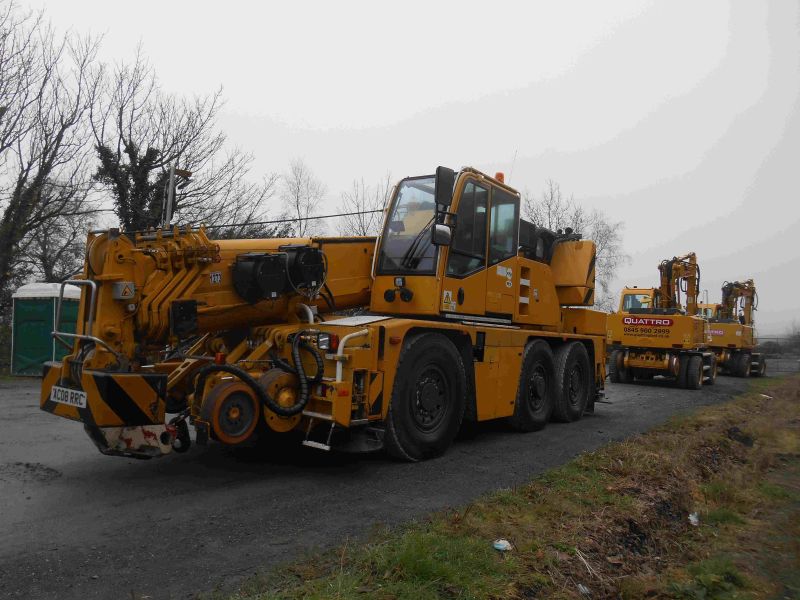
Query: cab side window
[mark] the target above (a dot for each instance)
(503, 232)
(468, 250)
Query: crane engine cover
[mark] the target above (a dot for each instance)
(259, 276)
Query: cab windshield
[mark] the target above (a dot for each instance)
(636, 301)
(406, 246)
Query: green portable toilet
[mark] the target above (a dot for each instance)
(33, 319)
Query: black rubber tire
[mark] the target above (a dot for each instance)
(712, 372)
(536, 388)
(613, 370)
(574, 382)
(694, 373)
(761, 370)
(683, 369)
(430, 370)
(743, 361)
(616, 373)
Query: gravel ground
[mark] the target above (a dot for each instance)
(76, 524)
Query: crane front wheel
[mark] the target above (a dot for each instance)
(427, 403)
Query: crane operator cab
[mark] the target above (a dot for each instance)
(454, 247)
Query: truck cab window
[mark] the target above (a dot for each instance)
(503, 232)
(636, 301)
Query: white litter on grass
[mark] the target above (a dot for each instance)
(583, 589)
(765, 396)
(503, 545)
(694, 519)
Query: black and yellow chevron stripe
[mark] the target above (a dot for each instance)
(113, 399)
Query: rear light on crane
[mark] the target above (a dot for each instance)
(328, 341)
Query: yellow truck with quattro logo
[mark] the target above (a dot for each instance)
(731, 331)
(654, 334)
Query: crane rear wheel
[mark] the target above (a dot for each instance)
(574, 381)
(536, 388)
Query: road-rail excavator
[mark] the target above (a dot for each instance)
(467, 312)
(731, 330)
(653, 333)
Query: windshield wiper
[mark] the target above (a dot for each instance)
(410, 254)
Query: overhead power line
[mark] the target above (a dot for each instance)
(276, 221)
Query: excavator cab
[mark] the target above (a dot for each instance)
(708, 311)
(637, 300)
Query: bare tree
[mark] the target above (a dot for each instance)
(140, 131)
(301, 195)
(364, 200)
(46, 88)
(555, 212)
(55, 250)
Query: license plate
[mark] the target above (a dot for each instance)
(67, 396)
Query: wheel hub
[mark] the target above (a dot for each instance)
(236, 415)
(537, 389)
(430, 395)
(575, 385)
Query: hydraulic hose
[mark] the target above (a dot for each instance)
(299, 344)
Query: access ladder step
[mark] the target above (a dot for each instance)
(317, 445)
(317, 415)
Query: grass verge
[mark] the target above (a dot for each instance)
(707, 506)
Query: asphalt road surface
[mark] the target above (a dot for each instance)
(77, 524)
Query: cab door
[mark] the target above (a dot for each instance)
(464, 288)
(501, 276)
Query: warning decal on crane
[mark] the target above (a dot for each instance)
(447, 301)
(123, 290)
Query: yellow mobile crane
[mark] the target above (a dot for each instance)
(654, 334)
(471, 314)
(731, 331)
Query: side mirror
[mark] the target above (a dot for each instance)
(441, 234)
(445, 180)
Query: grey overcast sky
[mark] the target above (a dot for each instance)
(680, 119)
